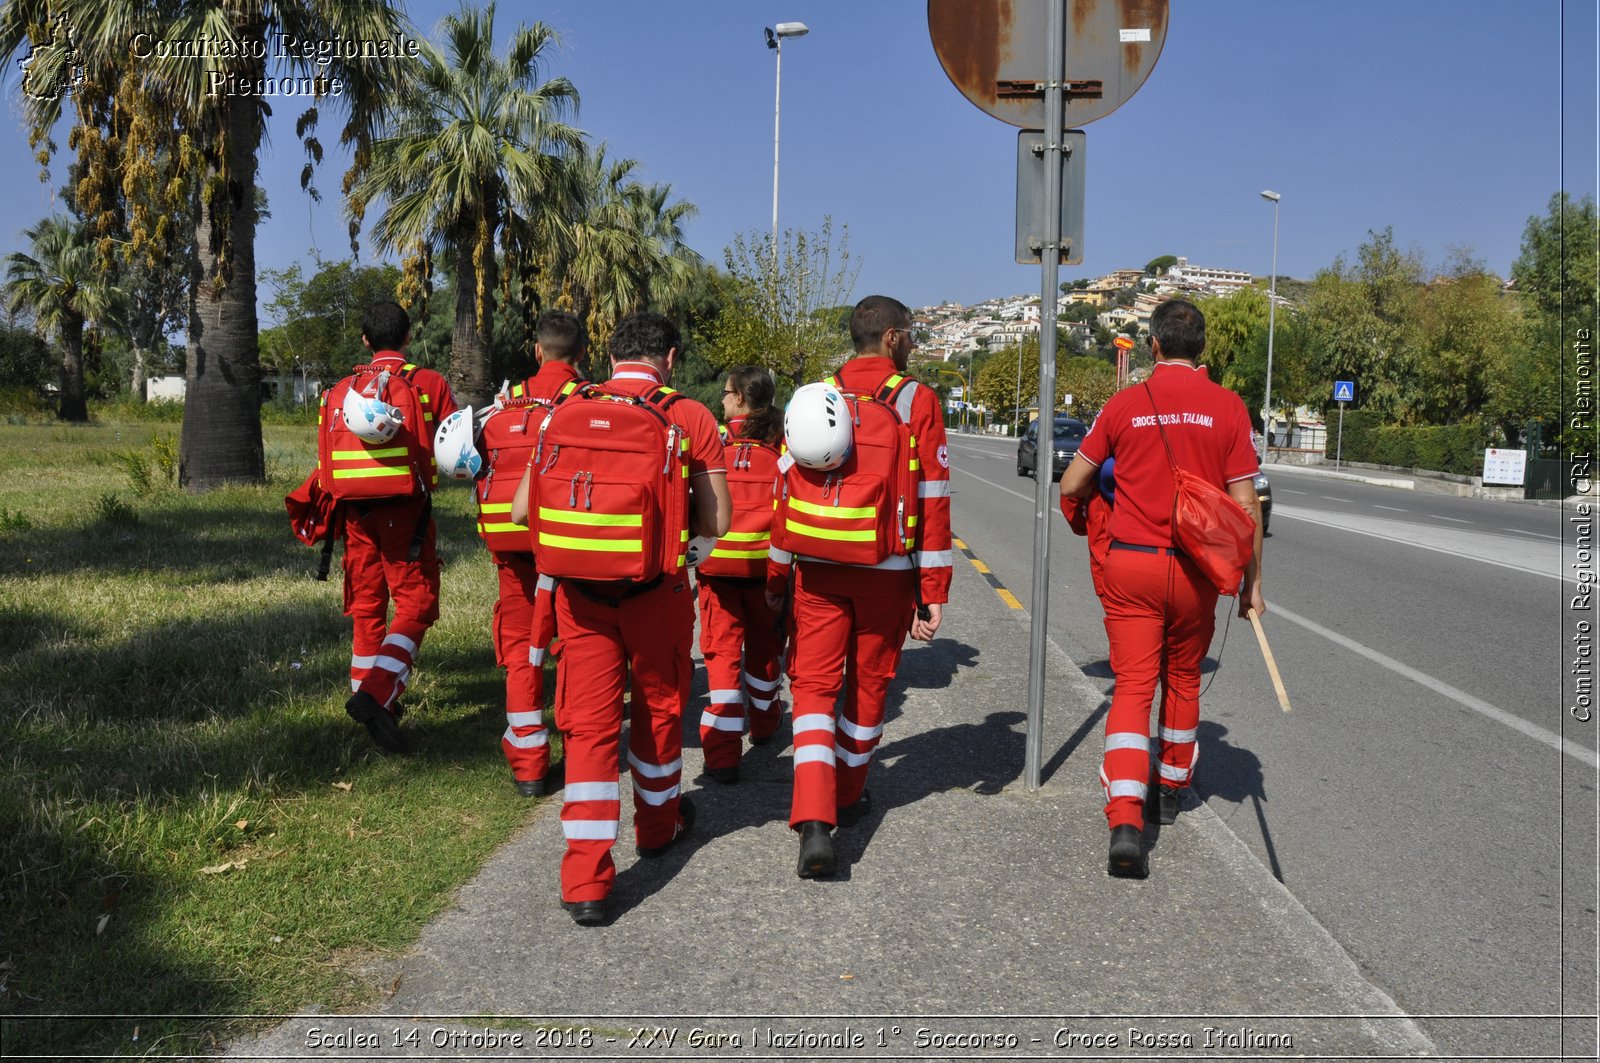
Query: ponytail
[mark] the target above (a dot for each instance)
(764, 422)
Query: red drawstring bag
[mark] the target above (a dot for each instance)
(1207, 524)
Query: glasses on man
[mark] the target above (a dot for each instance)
(907, 333)
(729, 391)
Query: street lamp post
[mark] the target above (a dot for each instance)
(1272, 315)
(775, 42)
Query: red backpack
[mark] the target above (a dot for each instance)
(609, 496)
(350, 467)
(506, 441)
(752, 485)
(863, 512)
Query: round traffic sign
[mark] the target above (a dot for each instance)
(995, 51)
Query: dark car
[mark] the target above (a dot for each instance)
(1069, 433)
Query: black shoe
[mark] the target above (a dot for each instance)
(725, 776)
(816, 850)
(850, 815)
(586, 913)
(1127, 858)
(685, 825)
(552, 781)
(379, 722)
(1167, 802)
(760, 740)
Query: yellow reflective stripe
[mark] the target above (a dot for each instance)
(840, 513)
(915, 465)
(507, 527)
(364, 455)
(912, 522)
(610, 546)
(747, 537)
(516, 392)
(408, 367)
(569, 387)
(494, 507)
(742, 555)
(683, 536)
(893, 381)
(358, 474)
(596, 520)
(865, 536)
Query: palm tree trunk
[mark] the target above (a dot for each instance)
(221, 440)
(73, 405)
(469, 344)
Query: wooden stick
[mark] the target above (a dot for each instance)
(1272, 665)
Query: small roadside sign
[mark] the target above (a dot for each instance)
(1506, 468)
(1344, 391)
(1123, 343)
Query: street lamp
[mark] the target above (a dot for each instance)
(1272, 313)
(775, 42)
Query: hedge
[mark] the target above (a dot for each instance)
(1452, 448)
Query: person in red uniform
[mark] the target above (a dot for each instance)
(378, 539)
(740, 635)
(614, 636)
(562, 342)
(848, 623)
(1159, 609)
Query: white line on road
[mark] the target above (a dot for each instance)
(1458, 520)
(1439, 686)
(1392, 509)
(1363, 526)
(991, 483)
(1335, 498)
(1541, 535)
(1287, 491)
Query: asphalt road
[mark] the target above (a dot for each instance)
(1428, 799)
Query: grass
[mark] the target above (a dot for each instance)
(189, 823)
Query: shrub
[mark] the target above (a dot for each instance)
(1453, 448)
(113, 511)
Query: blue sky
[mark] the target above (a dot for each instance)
(1452, 120)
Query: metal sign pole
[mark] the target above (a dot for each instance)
(1050, 260)
(1338, 454)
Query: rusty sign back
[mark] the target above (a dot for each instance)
(995, 53)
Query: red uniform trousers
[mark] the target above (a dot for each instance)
(524, 621)
(648, 635)
(742, 643)
(377, 541)
(1160, 614)
(848, 626)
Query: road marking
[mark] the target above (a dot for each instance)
(1290, 491)
(989, 577)
(1439, 686)
(1541, 535)
(1458, 520)
(997, 487)
(1391, 509)
(1334, 498)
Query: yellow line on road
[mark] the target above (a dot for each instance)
(1009, 598)
(980, 566)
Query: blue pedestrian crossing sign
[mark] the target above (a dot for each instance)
(1344, 391)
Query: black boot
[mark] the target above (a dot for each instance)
(1127, 858)
(816, 850)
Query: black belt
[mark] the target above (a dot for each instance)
(1170, 551)
(598, 592)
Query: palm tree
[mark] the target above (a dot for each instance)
(623, 251)
(63, 287)
(475, 157)
(217, 128)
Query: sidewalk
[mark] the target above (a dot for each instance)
(965, 907)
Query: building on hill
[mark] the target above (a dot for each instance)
(1220, 280)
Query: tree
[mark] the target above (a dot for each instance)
(205, 104)
(1090, 382)
(769, 315)
(318, 329)
(1466, 329)
(623, 250)
(476, 157)
(1555, 275)
(1363, 323)
(61, 286)
(1157, 266)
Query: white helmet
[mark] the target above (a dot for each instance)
(816, 427)
(369, 417)
(455, 450)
